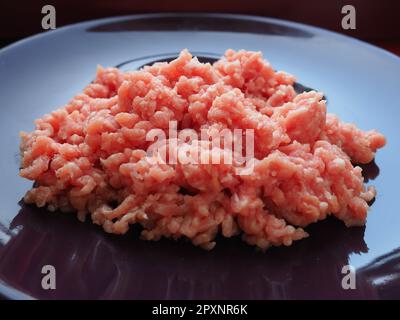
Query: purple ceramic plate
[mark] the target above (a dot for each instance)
(41, 73)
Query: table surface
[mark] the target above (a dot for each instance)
(392, 45)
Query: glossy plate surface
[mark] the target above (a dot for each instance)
(361, 83)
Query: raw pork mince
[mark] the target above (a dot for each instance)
(89, 156)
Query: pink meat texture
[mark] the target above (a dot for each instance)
(89, 157)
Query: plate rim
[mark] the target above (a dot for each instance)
(7, 291)
(235, 16)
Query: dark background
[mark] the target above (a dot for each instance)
(378, 21)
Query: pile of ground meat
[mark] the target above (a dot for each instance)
(90, 157)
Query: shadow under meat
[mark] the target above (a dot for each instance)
(93, 264)
(369, 170)
(203, 57)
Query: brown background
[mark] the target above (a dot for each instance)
(378, 21)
